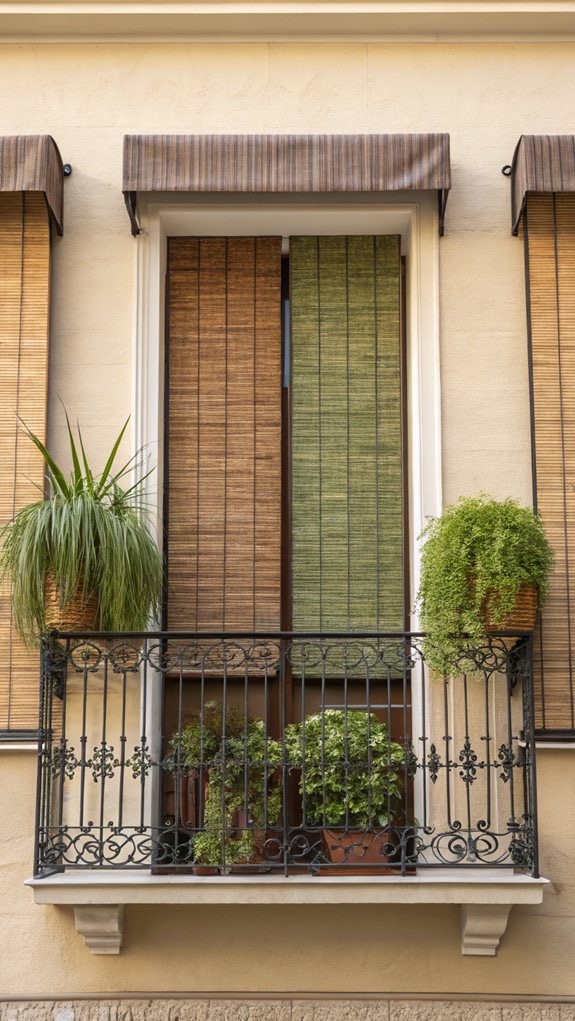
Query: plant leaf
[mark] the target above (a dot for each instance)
(111, 458)
(56, 474)
(77, 472)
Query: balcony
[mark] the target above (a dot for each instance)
(284, 768)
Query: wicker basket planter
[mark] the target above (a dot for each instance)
(81, 613)
(522, 617)
(476, 556)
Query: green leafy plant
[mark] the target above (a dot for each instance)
(478, 554)
(242, 791)
(352, 774)
(90, 536)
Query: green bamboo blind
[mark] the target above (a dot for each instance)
(346, 434)
(549, 234)
(24, 315)
(224, 470)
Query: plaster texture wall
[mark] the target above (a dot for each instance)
(290, 950)
(485, 95)
(89, 95)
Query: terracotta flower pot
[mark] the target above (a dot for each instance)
(368, 850)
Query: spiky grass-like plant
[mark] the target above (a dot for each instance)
(91, 537)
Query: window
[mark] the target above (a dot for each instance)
(549, 230)
(285, 495)
(285, 511)
(416, 224)
(24, 320)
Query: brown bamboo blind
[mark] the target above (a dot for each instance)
(549, 233)
(224, 428)
(24, 311)
(346, 435)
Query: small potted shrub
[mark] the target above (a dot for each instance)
(237, 773)
(83, 558)
(484, 567)
(352, 781)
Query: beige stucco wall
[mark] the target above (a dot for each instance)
(485, 95)
(400, 949)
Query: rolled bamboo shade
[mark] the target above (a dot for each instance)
(346, 434)
(285, 164)
(24, 313)
(549, 233)
(224, 428)
(541, 163)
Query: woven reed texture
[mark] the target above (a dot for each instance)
(24, 309)
(541, 163)
(286, 163)
(522, 617)
(550, 240)
(346, 434)
(224, 468)
(32, 163)
(81, 613)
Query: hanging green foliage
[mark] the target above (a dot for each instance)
(477, 555)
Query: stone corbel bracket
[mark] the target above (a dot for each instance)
(482, 926)
(485, 899)
(101, 925)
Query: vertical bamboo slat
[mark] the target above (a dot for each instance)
(550, 241)
(24, 315)
(347, 461)
(224, 433)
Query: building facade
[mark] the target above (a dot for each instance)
(144, 148)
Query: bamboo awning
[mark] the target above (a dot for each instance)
(285, 164)
(541, 163)
(32, 163)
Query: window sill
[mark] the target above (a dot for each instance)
(99, 898)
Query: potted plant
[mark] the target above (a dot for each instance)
(235, 766)
(352, 781)
(83, 558)
(485, 566)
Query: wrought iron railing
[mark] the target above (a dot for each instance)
(187, 753)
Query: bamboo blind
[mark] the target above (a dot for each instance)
(549, 232)
(346, 434)
(24, 308)
(224, 394)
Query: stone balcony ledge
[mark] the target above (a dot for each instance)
(99, 897)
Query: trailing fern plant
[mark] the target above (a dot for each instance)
(90, 537)
(478, 554)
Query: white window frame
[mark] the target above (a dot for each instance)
(228, 216)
